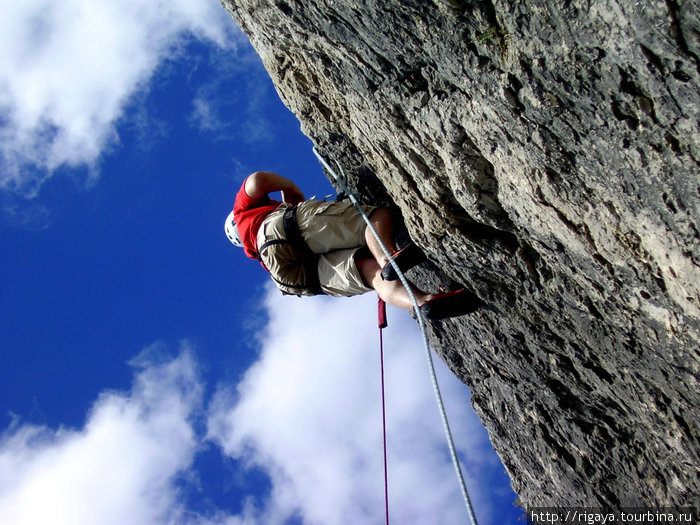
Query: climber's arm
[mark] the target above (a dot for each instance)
(261, 183)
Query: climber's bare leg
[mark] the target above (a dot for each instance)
(391, 292)
(383, 224)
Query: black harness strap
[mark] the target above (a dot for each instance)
(270, 243)
(308, 258)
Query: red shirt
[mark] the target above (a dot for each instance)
(249, 214)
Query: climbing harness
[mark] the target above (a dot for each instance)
(421, 324)
(309, 259)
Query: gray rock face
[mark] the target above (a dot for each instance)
(545, 154)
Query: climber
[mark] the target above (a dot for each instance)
(312, 247)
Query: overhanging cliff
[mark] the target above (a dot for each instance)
(545, 154)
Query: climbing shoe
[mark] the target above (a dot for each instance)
(406, 258)
(451, 304)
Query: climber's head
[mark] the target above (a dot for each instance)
(232, 231)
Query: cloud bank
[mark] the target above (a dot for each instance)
(307, 413)
(68, 68)
(120, 468)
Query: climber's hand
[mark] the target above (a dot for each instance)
(293, 195)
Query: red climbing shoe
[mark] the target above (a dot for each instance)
(406, 258)
(451, 304)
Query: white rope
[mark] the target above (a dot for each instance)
(421, 324)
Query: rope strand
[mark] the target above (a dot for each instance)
(382, 324)
(421, 324)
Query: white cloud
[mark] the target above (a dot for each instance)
(249, 91)
(68, 68)
(26, 216)
(309, 413)
(120, 468)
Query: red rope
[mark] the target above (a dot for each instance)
(382, 324)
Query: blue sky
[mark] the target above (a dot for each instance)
(148, 372)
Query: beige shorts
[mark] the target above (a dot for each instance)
(334, 230)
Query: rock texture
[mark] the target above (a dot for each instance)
(546, 156)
